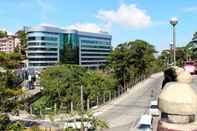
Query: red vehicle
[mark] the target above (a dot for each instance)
(190, 66)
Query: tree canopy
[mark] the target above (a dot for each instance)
(3, 33)
(10, 60)
(22, 35)
(132, 59)
(62, 84)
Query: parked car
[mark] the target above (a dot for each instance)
(145, 123)
(190, 66)
(153, 109)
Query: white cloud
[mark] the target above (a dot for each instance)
(88, 27)
(126, 15)
(49, 25)
(191, 9)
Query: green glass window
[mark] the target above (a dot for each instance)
(69, 50)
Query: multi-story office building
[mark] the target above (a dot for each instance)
(48, 46)
(9, 43)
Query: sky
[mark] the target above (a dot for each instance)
(125, 20)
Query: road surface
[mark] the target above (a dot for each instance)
(124, 115)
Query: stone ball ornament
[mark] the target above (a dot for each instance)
(178, 98)
(184, 77)
(178, 70)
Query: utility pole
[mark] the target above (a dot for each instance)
(171, 52)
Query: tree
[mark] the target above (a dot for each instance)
(16, 126)
(10, 60)
(8, 90)
(190, 50)
(7, 125)
(131, 60)
(4, 121)
(165, 59)
(194, 36)
(3, 33)
(180, 56)
(23, 41)
(62, 85)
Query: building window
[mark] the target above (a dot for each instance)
(92, 46)
(92, 58)
(42, 49)
(95, 42)
(94, 37)
(42, 54)
(41, 64)
(42, 38)
(90, 50)
(42, 44)
(83, 54)
(42, 59)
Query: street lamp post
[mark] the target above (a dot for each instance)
(174, 22)
(171, 53)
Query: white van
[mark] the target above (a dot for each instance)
(145, 123)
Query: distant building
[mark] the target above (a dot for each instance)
(9, 43)
(47, 46)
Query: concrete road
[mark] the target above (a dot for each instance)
(124, 115)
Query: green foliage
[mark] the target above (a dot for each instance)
(190, 50)
(10, 60)
(8, 90)
(23, 42)
(132, 59)
(4, 121)
(194, 36)
(41, 104)
(180, 56)
(96, 122)
(7, 125)
(17, 126)
(9, 79)
(3, 34)
(62, 85)
(166, 57)
(97, 83)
